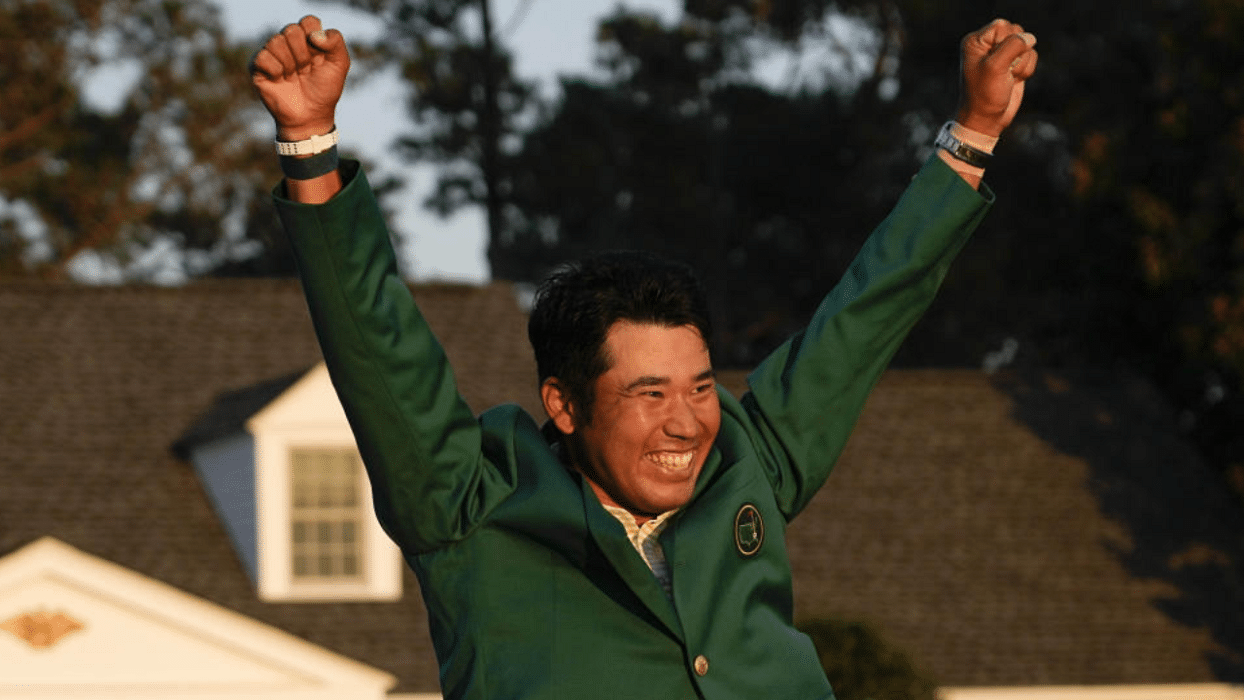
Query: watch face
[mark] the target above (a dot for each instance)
(946, 139)
(960, 150)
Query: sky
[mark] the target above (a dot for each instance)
(547, 37)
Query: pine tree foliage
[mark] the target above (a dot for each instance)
(128, 137)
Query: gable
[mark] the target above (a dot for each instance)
(79, 626)
(288, 485)
(309, 405)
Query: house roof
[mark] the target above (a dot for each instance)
(230, 410)
(1029, 530)
(177, 645)
(1006, 530)
(98, 383)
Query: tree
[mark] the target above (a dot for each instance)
(467, 104)
(1125, 247)
(171, 166)
(861, 665)
(680, 153)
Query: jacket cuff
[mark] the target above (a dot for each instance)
(352, 178)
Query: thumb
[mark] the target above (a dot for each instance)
(1009, 51)
(328, 41)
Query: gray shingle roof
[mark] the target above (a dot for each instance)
(1006, 531)
(230, 410)
(1029, 531)
(97, 385)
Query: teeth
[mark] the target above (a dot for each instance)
(672, 460)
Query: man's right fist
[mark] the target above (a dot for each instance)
(299, 75)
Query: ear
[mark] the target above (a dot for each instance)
(557, 405)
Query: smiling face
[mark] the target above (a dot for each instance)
(654, 418)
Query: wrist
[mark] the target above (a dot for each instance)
(302, 132)
(308, 147)
(310, 167)
(973, 174)
(982, 125)
(974, 138)
(967, 145)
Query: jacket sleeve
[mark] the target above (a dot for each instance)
(418, 439)
(805, 398)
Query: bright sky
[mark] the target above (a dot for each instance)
(547, 37)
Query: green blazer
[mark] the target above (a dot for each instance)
(532, 589)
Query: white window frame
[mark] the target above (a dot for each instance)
(309, 416)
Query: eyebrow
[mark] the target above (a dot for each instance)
(647, 381)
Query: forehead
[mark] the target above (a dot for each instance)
(652, 348)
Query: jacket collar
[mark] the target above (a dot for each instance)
(611, 538)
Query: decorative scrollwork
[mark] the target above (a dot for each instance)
(41, 629)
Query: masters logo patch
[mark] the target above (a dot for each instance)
(749, 530)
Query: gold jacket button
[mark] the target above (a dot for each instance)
(701, 665)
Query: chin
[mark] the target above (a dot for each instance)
(668, 499)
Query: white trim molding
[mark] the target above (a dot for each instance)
(83, 628)
(309, 416)
(1194, 691)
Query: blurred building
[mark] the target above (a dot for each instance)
(182, 513)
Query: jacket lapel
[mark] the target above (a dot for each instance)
(611, 538)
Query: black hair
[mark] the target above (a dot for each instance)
(579, 302)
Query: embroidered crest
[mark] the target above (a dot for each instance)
(749, 530)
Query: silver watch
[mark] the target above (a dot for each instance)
(960, 150)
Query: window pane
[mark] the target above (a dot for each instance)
(326, 514)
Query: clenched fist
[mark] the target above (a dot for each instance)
(299, 75)
(997, 60)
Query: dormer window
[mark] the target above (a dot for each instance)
(281, 466)
(327, 515)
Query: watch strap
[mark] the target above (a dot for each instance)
(296, 168)
(308, 147)
(958, 142)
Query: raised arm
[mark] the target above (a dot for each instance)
(422, 446)
(806, 397)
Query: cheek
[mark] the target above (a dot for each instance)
(710, 416)
(635, 422)
(624, 431)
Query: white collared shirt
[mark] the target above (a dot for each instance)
(646, 540)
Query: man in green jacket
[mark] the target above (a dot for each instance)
(633, 546)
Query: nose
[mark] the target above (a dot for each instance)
(680, 421)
